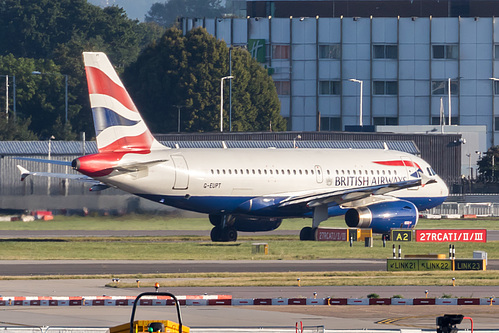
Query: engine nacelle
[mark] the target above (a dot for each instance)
(383, 216)
(243, 223)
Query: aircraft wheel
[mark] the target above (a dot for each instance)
(313, 233)
(306, 233)
(216, 234)
(231, 234)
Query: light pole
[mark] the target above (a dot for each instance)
(49, 169)
(178, 116)
(222, 101)
(7, 95)
(230, 90)
(450, 103)
(360, 102)
(66, 90)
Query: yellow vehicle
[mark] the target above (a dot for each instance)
(152, 326)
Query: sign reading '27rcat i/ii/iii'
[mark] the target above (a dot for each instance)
(452, 235)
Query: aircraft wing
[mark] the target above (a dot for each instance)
(340, 197)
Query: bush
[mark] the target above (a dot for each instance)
(373, 295)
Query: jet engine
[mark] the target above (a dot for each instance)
(383, 216)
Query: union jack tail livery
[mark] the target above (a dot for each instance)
(118, 124)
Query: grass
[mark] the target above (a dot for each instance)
(433, 278)
(200, 248)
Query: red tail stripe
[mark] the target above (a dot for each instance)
(100, 83)
(141, 143)
(399, 163)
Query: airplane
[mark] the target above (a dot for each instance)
(248, 189)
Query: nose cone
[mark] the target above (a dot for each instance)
(444, 190)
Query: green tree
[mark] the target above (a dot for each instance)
(185, 71)
(487, 165)
(15, 129)
(59, 31)
(166, 14)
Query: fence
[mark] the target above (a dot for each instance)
(480, 209)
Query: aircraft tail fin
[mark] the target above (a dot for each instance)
(118, 124)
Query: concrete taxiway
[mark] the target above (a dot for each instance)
(332, 317)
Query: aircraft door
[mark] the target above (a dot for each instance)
(181, 173)
(318, 174)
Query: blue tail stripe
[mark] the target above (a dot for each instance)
(104, 118)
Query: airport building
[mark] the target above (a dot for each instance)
(426, 62)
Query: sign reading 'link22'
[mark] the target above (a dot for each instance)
(452, 235)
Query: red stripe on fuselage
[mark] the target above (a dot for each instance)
(100, 83)
(399, 163)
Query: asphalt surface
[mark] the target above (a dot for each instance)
(95, 267)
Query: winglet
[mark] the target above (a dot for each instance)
(24, 172)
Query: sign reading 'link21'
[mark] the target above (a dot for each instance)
(452, 235)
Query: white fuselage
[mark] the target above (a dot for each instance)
(218, 180)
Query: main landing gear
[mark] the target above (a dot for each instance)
(320, 214)
(219, 234)
(223, 230)
(307, 233)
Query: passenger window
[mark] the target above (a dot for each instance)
(223, 171)
(230, 172)
(306, 171)
(259, 171)
(218, 171)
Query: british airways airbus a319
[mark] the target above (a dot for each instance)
(249, 189)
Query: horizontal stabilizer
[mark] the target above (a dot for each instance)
(42, 160)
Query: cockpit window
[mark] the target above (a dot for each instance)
(431, 172)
